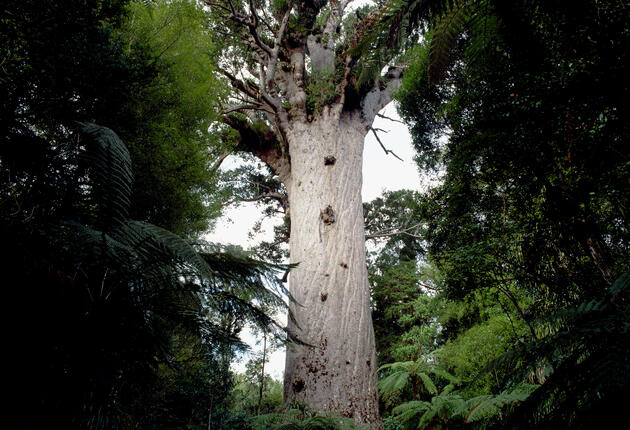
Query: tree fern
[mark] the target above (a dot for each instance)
(110, 172)
(415, 373)
(133, 290)
(388, 29)
(445, 33)
(581, 358)
(453, 407)
(487, 406)
(295, 419)
(425, 414)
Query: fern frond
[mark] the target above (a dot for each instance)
(446, 375)
(427, 418)
(582, 360)
(110, 172)
(299, 420)
(444, 37)
(621, 285)
(407, 411)
(448, 405)
(388, 29)
(398, 366)
(393, 384)
(486, 406)
(427, 383)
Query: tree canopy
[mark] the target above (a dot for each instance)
(498, 295)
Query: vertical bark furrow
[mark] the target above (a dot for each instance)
(332, 374)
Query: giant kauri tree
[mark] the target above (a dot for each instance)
(308, 79)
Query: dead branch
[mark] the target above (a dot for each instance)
(387, 151)
(391, 233)
(380, 115)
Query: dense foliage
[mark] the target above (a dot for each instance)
(500, 297)
(527, 237)
(120, 324)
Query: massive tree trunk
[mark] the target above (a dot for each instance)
(302, 108)
(338, 370)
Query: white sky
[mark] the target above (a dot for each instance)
(381, 172)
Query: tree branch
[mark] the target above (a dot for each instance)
(217, 163)
(390, 233)
(381, 94)
(283, 199)
(251, 23)
(259, 139)
(380, 115)
(245, 107)
(387, 151)
(271, 70)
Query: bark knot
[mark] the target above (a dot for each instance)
(328, 215)
(298, 385)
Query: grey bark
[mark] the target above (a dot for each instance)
(318, 157)
(338, 371)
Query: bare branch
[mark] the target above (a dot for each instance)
(266, 20)
(392, 232)
(244, 87)
(387, 151)
(274, 196)
(428, 287)
(254, 91)
(379, 235)
(380, 115)
(232, 9)
(217, 163)
(256, 184)
(250, 22)
(252, 10)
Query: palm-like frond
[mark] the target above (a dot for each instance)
(111, 174)
(487, 406)
(139, 287)
(393, 384)
(137, 245)
(397, 25)
(444, 37)
(402, 373)
(388, 29)
(581, 360)
(423, 414)
(409, 411)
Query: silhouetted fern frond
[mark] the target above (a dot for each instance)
(444, 37)
(581, 361)
(111, 173)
